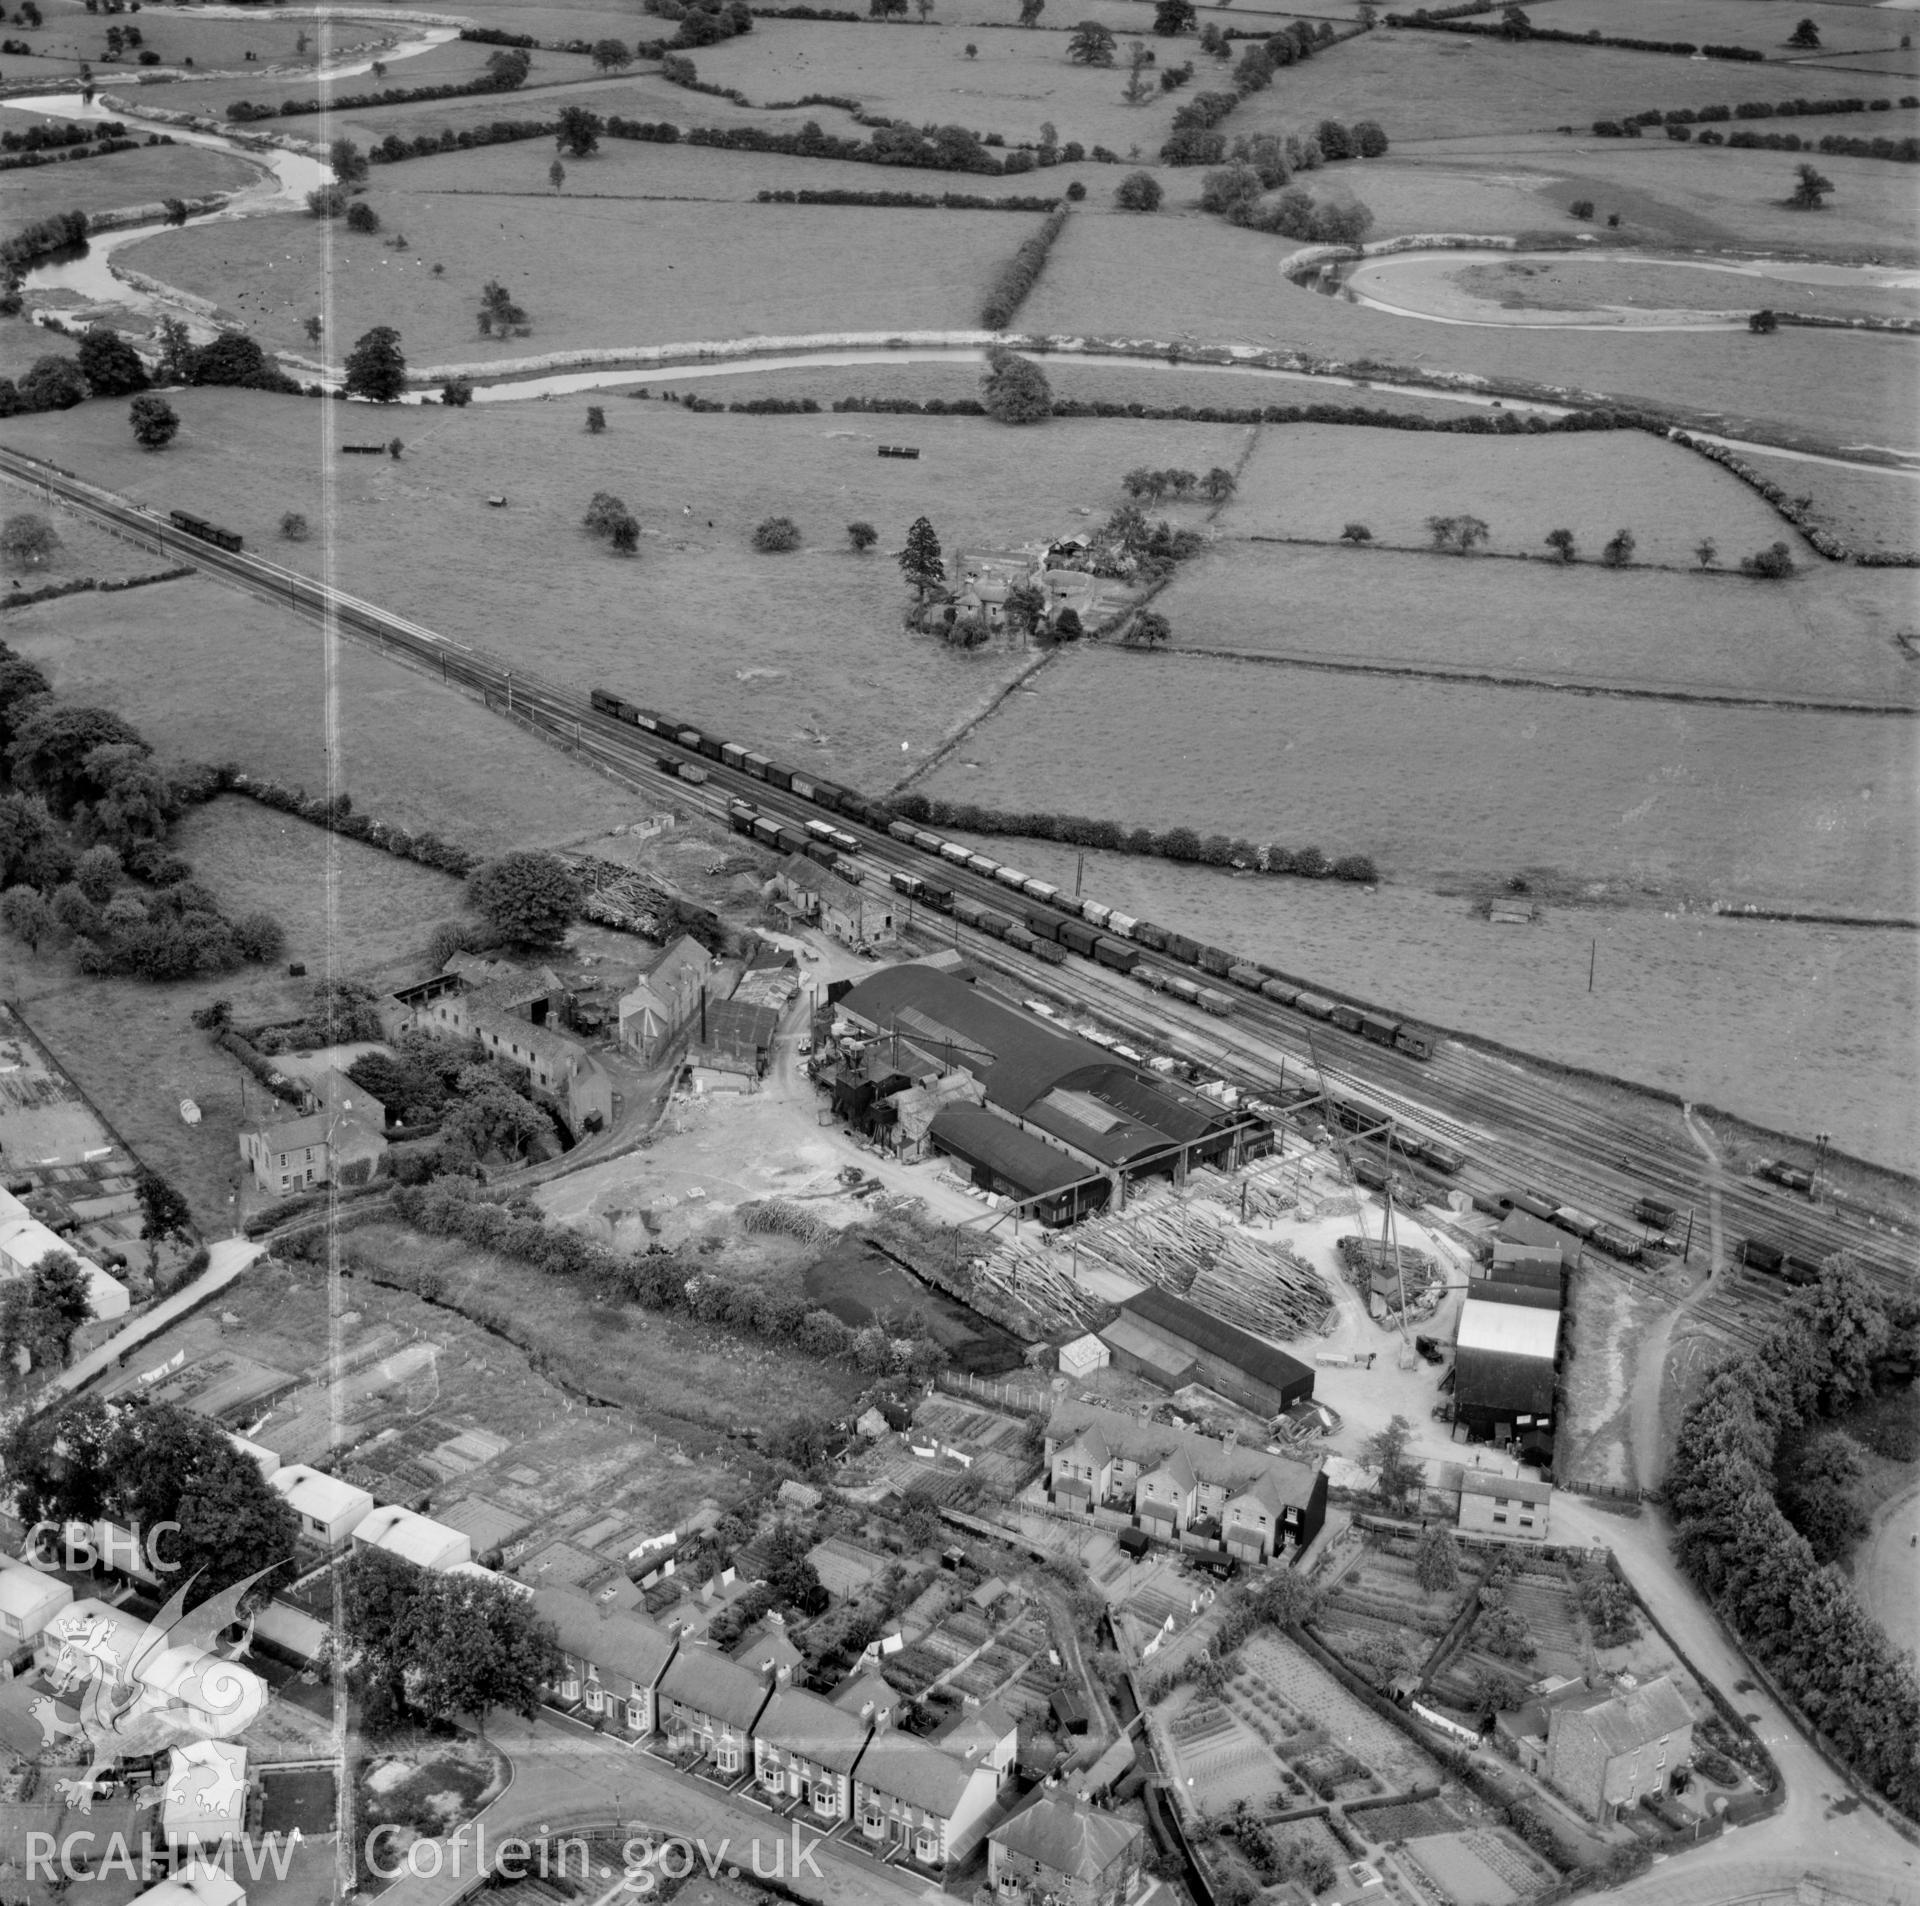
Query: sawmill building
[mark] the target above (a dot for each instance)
(1173, 1343)
(1070, 1099)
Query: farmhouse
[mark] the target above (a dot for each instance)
(1515, 1508)
(664, 1000)
(1064, 1851)
(1203, 1348)
(853, 915)
(25, 1241)
(340, 1139)
(1506, 1355)
(923, 1805)
(611, 1660)
(1179, 1487)
(806, 1748)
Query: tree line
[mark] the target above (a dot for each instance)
(1516, 25)
(1175, 843)
(1746, 1525)
(1018, 276)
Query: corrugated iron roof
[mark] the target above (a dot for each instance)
(983, 1138)
(1512, 1327)
(1175, 1317)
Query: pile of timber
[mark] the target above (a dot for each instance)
(1038, 1281)
(1196, 1251)
(1268, 1189)
(618, 897)
(1367, 1263)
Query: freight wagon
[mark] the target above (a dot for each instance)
(1617, 1243)
(1214, 1002)
(1250, 977)
(1079, 938)
(1094, 913)
(1655, 1212)
(1011, 877)
(1379, 1028)
(1017, 936)
(207, 532)
(606, 704)
(1048, 952)
(1210, 959)
(1115, 953)
(1759, 1257)
(1415, 1043)
(741, 817)
(995, 923)
(847, 870)
(1150, 935)
(1043, 925)
(1280, 992)
(767, 831)
(1346, 1017)
(1313, 1005)
(902, 832)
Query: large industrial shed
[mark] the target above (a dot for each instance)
(1104, 1115)
(1506, 1357)
(1004, 1159)
(1183, 1339)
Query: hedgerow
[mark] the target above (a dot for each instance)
(336, 813)
(1018, 276)
(912, 201)
(1446, 20)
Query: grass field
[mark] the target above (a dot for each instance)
(797, 651)
(85, 549)
(629, 169)
(1828, 636)
(1314, 479)
(1762, 24)
(208, 674)
(178, 35)
(1821, 387)
(1015, 83)
(1665, 194)
(1778, 1023)
(1449, 785)
(346, 908)
(1871, 510)
(453, 64)
(1449, 86)
(591, 274)
(122, 178)
(639, 93)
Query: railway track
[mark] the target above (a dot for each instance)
(1516, 1127)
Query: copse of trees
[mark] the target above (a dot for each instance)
(528, 899)
(1798, 1615)
(1014, 389)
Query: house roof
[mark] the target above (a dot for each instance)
(1503, 1382)
(1522, 1227)
(414, 1538)
(739, 1025)
(909, 1769)
(803, 1723)
(1175, 1317)
(976, 1731)
(618, 1641)
(542, 1042)
(983, 1138)
(946, 1016)
(1234, 1467)
(1638, 1716)
(24, 1592)
(766, 1650)
(1529, 1296)
(1067, 1836)
(671, 979)
(1477, 1482)
(711, 1684)
(1514, 1329)
(861, 1689)
(1175, 1366)
(323, 1497)
(1180, 1471)
(808, 876)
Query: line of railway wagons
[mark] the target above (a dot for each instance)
(1059, 924)
(207, 532)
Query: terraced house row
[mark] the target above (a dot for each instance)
(836, 1761)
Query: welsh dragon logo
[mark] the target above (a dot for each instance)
(172, 1683)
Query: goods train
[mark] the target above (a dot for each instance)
(1059, 924)
(207, 532)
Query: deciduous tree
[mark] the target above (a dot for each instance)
(528, 898)
(610, 54)
(578, 132)
(28, 541)
(349, 163)
(1561, 541)
(155, 422)
(26, 915)
(1138, 192)
(1389, 1453)
(111, 365)
(376, 367)
(775, 535)
(163, 1212)
(1091, 44)
(1014, 389)
(1810, 188)
(1436, 1560)
(862, 536)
